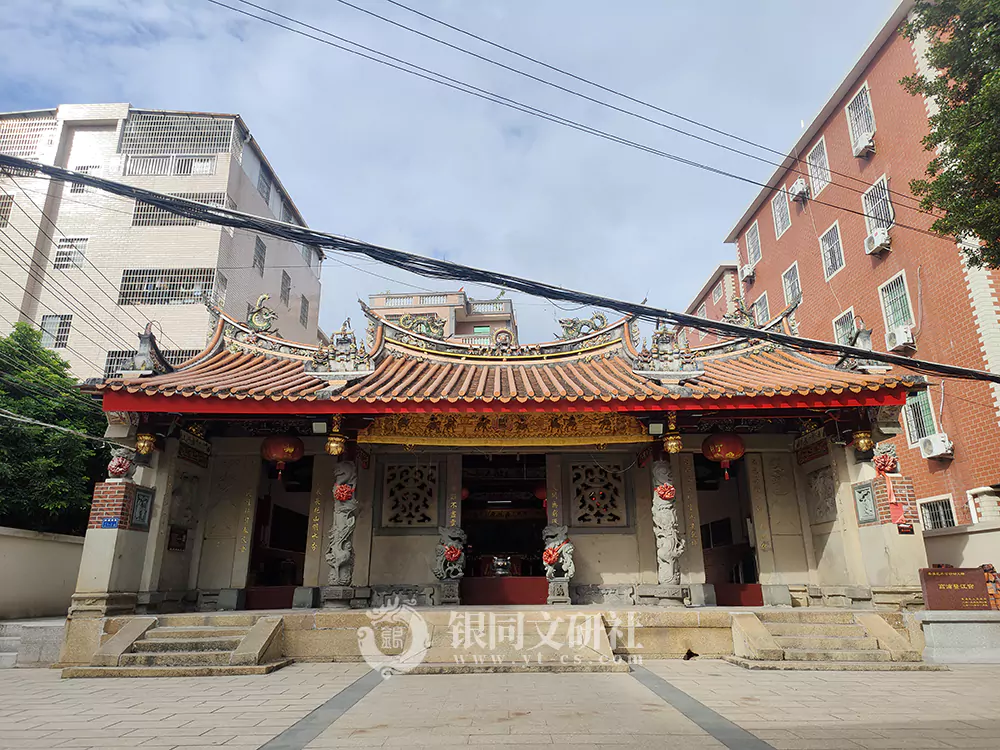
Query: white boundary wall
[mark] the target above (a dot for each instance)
(37, 572)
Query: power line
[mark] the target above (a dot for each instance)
(580, 94)
(15, 417)
(607, 89)
(443, 269)
(85, 259)
(467, 88)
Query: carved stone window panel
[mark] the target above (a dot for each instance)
(597, 493)
(411, 493)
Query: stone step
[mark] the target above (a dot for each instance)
(837, 666)
(175, 671)
(815, 629)
(196, 631)
(819, 617)
(176, 659)
(794, 654)
(161, 645)
(10, 630)
(825, 643)
(9, 643)
(7, 661)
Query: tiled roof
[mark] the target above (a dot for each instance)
(403, 371)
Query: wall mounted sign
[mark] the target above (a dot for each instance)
(192, 448)
(177, 539)
(142, 508)
(864, 501)
(109, 523)
(954, 588)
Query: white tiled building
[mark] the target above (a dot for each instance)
(92, 269)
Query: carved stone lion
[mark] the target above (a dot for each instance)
(449, 557)
(558, 553)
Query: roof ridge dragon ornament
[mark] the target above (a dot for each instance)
(574, 327)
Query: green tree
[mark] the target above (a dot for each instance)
(963, 178)
(45, 475)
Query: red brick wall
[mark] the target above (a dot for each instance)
(112, 500)
(946, 330)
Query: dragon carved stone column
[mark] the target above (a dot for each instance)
(670, 542)
(340, 548)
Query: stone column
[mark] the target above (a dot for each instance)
(165, 467)
(320, 515)
(557, 554)
(692, 560)
(339, 590)
(670, 541)
(449, 555)
(774, 588)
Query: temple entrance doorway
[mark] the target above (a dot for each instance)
(280, 533)
(503, 515)
(730, 559)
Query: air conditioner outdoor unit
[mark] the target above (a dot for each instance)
(900, 337)
(747, 273)
(936, 446)
(877, 241)
(864, 144)
(799, 190)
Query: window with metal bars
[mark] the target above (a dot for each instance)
(307, 254)
(843, 328)
(831, 250)
(919, 416)
(259, 255)
(221, 285)
(702, 312)
(24, 137)
(761, 312)
(264, 185)
(55, 330)
(286, 287)
(153, 133)
(146, 215)
(70, 252)
(819, 167)
(76, 187)
(186, 166)
(6, 203)
(896, 302)
(878, 207)
(753, 245)
(304, 311)
(860, 118)
(780, 212)
(118, 360)
(166, 286)
(937, 514)
(790, 284)
(717, 292)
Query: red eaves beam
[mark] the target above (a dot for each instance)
(158, 404)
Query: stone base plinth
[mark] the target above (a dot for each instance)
(231, 599)
(450, 591)
(662, 594)
(147, 602)
(101, 605)
(776, 595)
(306, 597)
(611, 595)
(966, 637)
(702, 594)
(558, 591)
(420, 595)
(345, 597)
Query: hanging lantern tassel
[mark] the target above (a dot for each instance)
(724, 447)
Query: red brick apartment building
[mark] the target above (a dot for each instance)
(715, 300)
(806, 238)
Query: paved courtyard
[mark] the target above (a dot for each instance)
(667, 704)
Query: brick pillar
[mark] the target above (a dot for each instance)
(112, 505)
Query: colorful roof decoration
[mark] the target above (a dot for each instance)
(247, 368)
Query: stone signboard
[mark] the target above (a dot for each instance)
(954, 588)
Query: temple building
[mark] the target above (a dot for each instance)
(594, 469)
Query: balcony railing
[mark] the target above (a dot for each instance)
(475, 340)
(399, 301)
(486, 308)
(434, 299)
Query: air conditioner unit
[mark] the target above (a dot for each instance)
(747, 273)
(900, 337)
(864, 144)
(936, 446)
(877, 241)
(799, 190)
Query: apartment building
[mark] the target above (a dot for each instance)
(452, 316)
(838, 231)
(92, 269)
(715, 300)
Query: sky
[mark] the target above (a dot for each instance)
(380, 155)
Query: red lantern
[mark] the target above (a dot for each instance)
(282, 449)
(465, 493)
(541, 493)
(723, 447)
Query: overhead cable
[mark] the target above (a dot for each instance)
(443, 269)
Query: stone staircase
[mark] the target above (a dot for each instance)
(144, 647)
(822, 640)
(10, 639)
